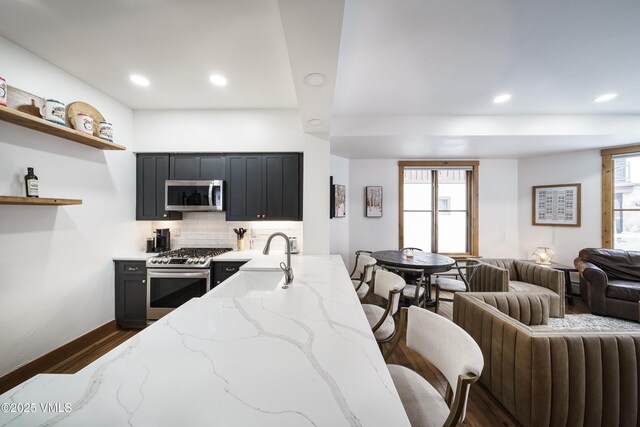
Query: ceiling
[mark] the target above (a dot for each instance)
(454, 57)
(408, 79)
(177, 45)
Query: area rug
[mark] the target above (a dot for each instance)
(591, 322)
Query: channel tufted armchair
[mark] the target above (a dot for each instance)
(512, 275)
(547, 377)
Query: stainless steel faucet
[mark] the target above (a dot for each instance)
(288, 272)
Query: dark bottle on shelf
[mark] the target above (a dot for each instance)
(31, 183)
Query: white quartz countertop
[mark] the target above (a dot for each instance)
(134, 256)
(238, 256)
(293, 357)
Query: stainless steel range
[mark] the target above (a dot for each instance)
(174, 277)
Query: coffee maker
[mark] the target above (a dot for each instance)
(163, 240)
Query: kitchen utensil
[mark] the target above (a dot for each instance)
(3, 92)
(83, 107)
(240, 232)
(84, 123)
(105, 131)
(53, 111)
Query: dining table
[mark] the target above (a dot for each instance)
(428, 262)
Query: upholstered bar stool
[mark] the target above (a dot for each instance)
(389, 286)
(452, 351)
(362, 273)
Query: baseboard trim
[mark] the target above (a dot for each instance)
(49, 360)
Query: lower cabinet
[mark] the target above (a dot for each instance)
(131, 294)
(223, 270)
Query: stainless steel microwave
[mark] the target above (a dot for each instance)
(186, 196)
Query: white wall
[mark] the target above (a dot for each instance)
(56, 269)
(247, 131)
(372, 233)
(584, 167)
(498, 207)
(340, 226)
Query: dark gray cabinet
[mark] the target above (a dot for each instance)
(264, 187)
(152, 170)
(196, 166)
(131, 294)
(222, 270)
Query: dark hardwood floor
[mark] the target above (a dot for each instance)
(483, 409)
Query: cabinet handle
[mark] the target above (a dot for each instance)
(164, 215)
(263, 216)
(258, 216)
(230, 269)
(144, 281)
(218, 282)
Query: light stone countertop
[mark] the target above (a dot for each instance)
(296, 357)
(134, 256)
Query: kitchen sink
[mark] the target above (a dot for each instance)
(248, 284)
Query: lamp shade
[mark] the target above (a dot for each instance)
(543, 255)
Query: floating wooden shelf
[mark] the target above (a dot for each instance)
(32, 122)
(41, 201)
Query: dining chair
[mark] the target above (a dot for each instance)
(452, 351)
(457, 279)
(362, 274)
(355, 265)
(388, 286)
(416, 291)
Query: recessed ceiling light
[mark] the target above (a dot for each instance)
(218, 80)
(139, 80)
(315, 79)
(315, 122)
(606, 97)
(502, 98)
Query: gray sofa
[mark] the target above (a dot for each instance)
(512, 275)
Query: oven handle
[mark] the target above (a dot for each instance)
(179, 273)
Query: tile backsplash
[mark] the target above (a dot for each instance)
(211, 230)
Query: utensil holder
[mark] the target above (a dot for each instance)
(240, 244)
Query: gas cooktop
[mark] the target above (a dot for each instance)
(186, 257)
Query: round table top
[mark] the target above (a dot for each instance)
(430, 263)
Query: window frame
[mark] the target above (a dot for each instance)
(472, 201)
(608, 190)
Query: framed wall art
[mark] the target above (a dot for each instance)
(556, 205)
(338, 200)
(373, 202)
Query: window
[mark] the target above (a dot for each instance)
(621, 198)
(438, 206)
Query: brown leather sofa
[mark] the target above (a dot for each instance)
(547, 377)
(512, 275)
(610, 281)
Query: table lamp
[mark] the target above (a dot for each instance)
(543, 255)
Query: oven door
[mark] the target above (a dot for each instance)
(186, 196)
(168, 289)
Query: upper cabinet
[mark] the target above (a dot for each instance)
(152, 171)
(196, 166)
(264, 187)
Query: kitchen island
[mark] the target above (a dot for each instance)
(294, 357)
